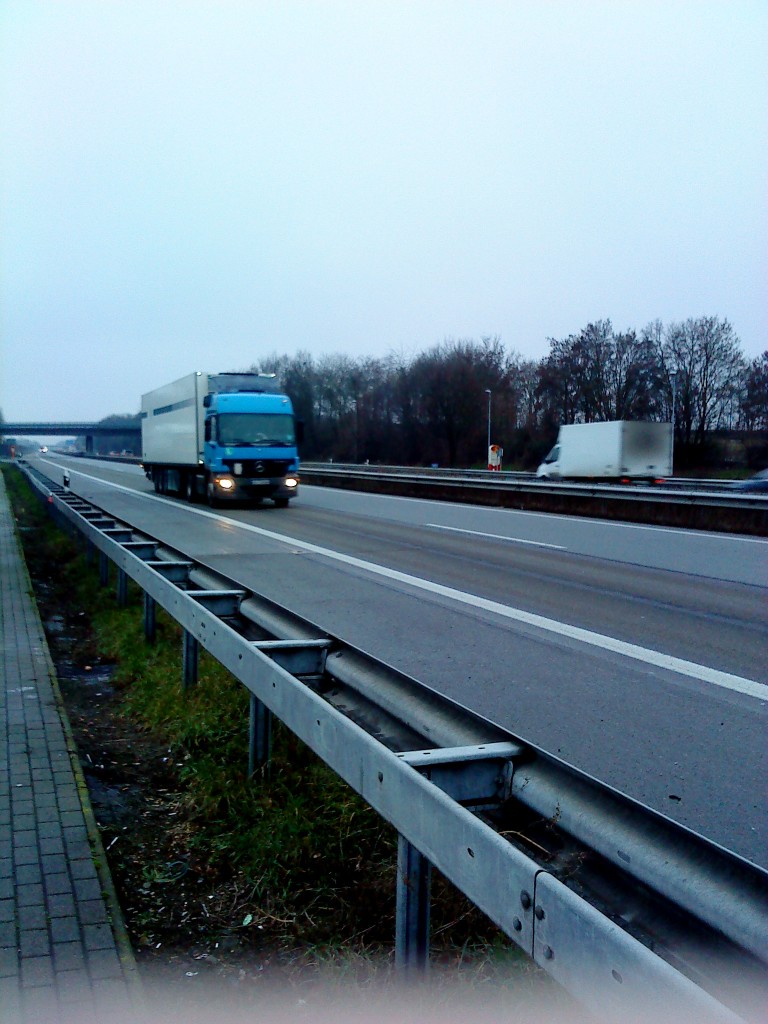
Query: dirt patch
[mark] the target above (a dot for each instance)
(178, 915)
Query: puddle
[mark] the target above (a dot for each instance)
(85, 681)
(113, 804)
(54, 626)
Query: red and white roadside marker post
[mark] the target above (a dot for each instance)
(495, 455)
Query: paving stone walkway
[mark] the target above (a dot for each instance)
(60, 958)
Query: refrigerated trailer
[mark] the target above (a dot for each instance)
(224, 437)
(615, 450)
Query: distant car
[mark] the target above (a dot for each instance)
(43, 449)
(758, 482)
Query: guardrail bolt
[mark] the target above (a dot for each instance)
(525, 900)
(539, 912)
(517, 924)
(549, 953)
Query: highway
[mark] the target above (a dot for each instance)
(635, 653)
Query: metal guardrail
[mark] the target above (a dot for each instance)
(717, 508)
(617, 903)
(438, 471)
(656, 490)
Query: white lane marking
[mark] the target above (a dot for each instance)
(739, 684)
(496, 536)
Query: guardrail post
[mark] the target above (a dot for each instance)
(259, 736)
(90, 549)
(103, 569)
(190, 660)
(150, 618)
(414, 873)
(122, 588)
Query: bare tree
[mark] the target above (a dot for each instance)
(448, 385)
(754, 402)
(600, 375)
(706, 355)
(527, 377)
(559, 387)
(593, 357)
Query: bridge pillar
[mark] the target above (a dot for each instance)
(89, 444)
(414, 875)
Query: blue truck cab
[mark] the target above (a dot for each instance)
(249, 449)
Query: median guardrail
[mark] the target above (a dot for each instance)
(717, 508)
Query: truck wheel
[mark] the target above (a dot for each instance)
(281, 502)
(190, 488)
(213, 501)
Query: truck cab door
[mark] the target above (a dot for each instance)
(210, 442)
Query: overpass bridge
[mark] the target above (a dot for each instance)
(74, 428)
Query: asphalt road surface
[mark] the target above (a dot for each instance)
(638, 654)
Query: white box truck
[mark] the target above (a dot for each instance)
(224, 436)
(615, 450)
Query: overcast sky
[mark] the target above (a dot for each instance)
(192, 185)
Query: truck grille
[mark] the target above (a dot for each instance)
(259, 467)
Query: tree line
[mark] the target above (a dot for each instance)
(432, 408)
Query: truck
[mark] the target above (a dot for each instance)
(621, 450)
(224, 437)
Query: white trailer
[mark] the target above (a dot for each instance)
(172, 422)
(615, 450)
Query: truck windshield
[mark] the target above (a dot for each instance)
(255, 428)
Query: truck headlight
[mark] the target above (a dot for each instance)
(291, 481)
(226, 483)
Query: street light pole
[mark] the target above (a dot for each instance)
(673, 375)
(488, 449)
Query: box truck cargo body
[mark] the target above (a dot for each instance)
(616, 450)
(226, 437)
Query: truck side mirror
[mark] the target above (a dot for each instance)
(299, 424)
(207, 402)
